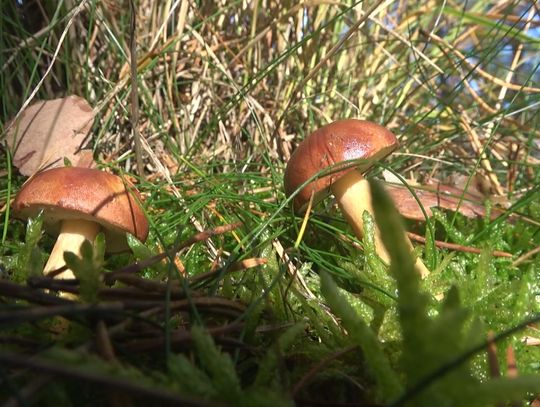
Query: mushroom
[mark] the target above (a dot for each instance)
(332, 146)
(77, 204)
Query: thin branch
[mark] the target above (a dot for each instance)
(526, 256)
(35, 313)
(457, 247)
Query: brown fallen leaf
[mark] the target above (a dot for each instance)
(48, 132)
(85, 159)
(438, 196)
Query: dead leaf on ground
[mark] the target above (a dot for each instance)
(437, 196)
(48, 132)
(85, 159)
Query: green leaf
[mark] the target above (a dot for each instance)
(263, 397)
(218, 365)
(373, 259)
(434, 341)
(412, 303)
(268, 367)
(33, 229)
(188, 378)
(505, 389)
(388, 385)
(430, 251)
(88, 267)
(29, 261)
(99, 248)
(140, 251)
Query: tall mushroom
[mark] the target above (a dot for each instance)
(333, 146)
(77, 204)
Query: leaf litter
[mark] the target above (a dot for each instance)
(50, 132)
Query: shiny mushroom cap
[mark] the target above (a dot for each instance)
(71, 193)
(331, 145)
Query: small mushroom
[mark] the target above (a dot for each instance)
(77, 204)
(332, 146)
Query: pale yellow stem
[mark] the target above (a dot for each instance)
(72, 235)
(354, 197)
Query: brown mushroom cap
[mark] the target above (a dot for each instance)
(83, 193)
(340, 141)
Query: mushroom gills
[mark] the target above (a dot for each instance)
(72, 235)
(354, 197)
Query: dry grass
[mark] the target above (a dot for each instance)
(240, 79)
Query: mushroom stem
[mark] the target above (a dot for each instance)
(354, 197)
(72, 235)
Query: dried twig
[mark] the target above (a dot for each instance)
(524, 257)
(457, 247)
(177, 337)
(14, 290)
(34, 313)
